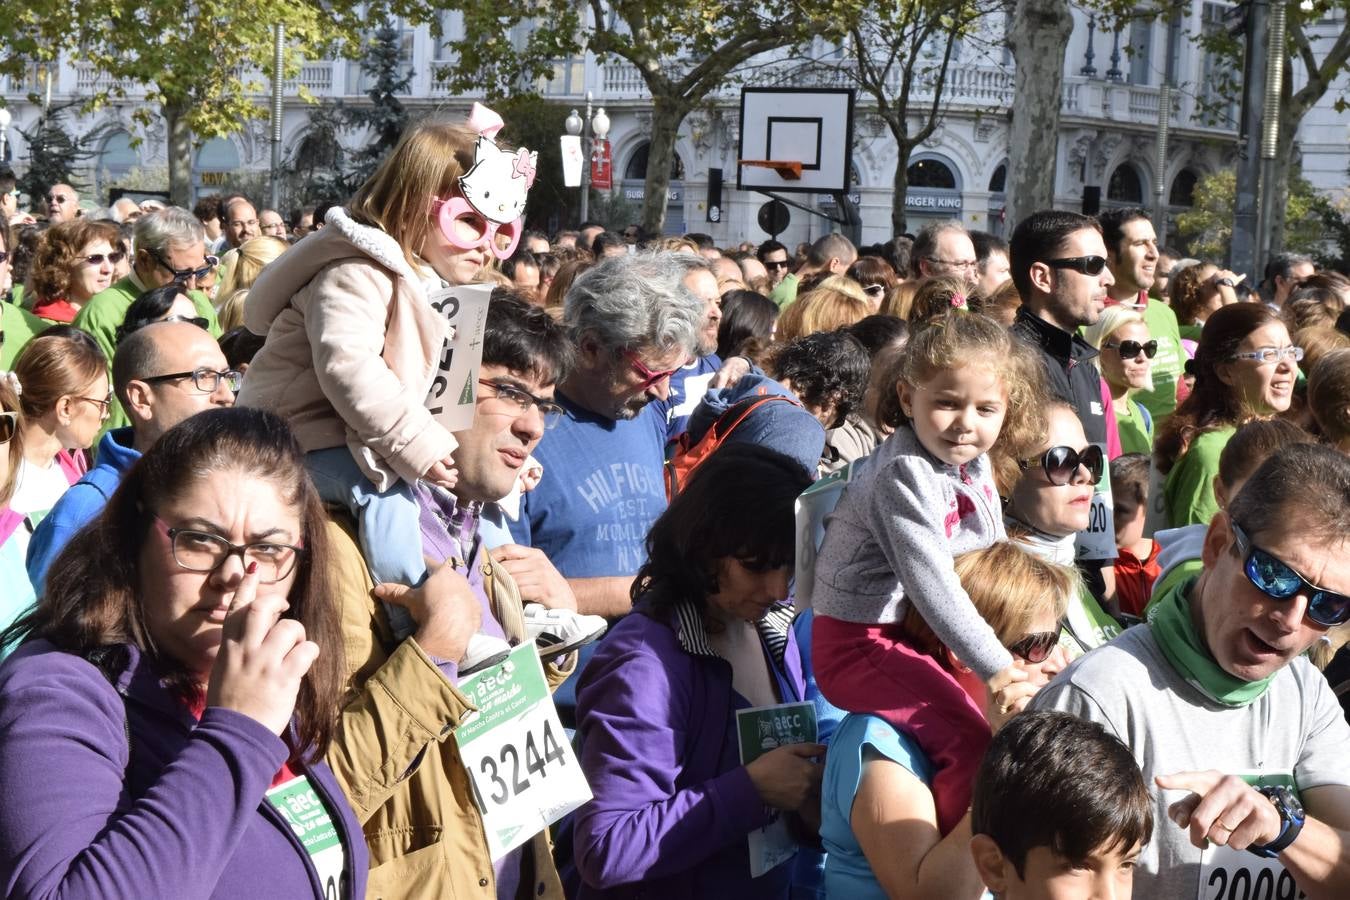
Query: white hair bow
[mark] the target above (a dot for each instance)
(12, 380)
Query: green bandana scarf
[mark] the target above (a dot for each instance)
(1172, 626)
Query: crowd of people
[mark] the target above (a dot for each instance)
(948, 567)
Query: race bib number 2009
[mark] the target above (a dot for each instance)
(522, 767)
(1228, 874)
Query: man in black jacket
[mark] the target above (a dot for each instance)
(1059, 268)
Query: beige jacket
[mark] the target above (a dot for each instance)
(395, 756)
(351, 351)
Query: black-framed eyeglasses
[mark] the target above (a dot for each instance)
(1060, 464)
(523, 400)
(98, 259)
(1088, 265)
(1132, 349)
(201, 551)
(9, 426)
(1035, 647)
(103, 405)
(199, 321)
(189, 274)
(1278, 580)
(204, 379)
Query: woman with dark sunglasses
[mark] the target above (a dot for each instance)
(1049, 505)
(74, 261)
(1126, 362)
(878, 822)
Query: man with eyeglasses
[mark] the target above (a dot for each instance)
(394, 683)
(63, 204)
(1132, 255)
(163, 373)
(1058, 263)
(1241, 736)
(774, 256)
(634, 324)
(945, 248)
(170, 248)
(829, 255)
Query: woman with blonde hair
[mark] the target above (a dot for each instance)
(833, 304)
(74, 261)
(249, 261)
(1125, 360)
(900, 299)
(941, 294)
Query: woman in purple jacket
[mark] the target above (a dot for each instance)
(163, 725)
(656, 707)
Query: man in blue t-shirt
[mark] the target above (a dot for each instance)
(634, 324)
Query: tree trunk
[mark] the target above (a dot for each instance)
(900, 187)
(1039, 40)
(667, 114)
(180, 156)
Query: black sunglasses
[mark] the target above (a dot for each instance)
(1061, 463)
(1278, 580)
(98, 259)
(776, 264)
(1132, 349)
(182, 275)
(1034, 648)
(1088, 265)
(9, 424)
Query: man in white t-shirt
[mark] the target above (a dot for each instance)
(1241, 736)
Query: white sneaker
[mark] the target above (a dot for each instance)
(484, 650)
(559, 631)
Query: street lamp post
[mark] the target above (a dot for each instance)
(597, 125)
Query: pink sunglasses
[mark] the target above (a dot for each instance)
(457, 211)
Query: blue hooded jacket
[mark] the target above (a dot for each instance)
(785, 427)
(79, 505)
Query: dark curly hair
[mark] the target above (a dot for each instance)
(828, 367)
(738, 505)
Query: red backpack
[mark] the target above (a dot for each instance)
(688, 456)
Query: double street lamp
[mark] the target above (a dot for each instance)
(597, 125)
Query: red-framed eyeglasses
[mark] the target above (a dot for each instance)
(649, 377)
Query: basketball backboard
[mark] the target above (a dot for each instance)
(812, 126)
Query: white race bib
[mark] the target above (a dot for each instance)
(303, 810)
(1228, 874)
(522, 767)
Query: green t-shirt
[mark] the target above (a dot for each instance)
(1189, 490)
(20, 326)
(1167, 365)
(786, 292)
(1134, 425)
(103, 315)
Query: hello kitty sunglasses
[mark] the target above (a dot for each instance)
(457, 218)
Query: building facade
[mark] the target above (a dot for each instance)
(1107, 149)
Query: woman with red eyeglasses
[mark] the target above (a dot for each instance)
(357, 332)
(74, 261)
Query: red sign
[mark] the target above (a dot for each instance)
(602, 166)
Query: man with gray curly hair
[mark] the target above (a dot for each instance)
(634, 324)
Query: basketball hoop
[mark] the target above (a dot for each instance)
(790, 170)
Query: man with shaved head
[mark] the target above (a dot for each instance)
(162, 373)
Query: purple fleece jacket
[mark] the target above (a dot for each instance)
(672, 804)
(184, 817)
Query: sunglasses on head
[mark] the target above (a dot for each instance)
(1278, 580)
(1061, 463)
(874, 290)
(1088, 265)
(1034, 648)
(1132, 349)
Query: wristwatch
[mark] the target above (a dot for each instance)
(1226, 282)
(1291, 820)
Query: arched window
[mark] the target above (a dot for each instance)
(1183, 189)
(999, 180)
(931, 173)
(636, 170)
(1125, 185)
(116, 158)
(218, 155)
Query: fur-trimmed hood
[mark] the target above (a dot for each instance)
(342, 237)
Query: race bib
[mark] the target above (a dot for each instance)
(758, 731)
(809, 511)
(307, 816)
(1228, 874)
(1098, 540)
(524, 773)
(454, 387)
